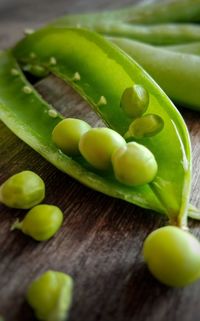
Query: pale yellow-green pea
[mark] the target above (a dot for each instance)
(173, 256)
(50, 296)
(98, 145)
(41, 223)
(135, 101)
(145, 126)
(134, 164)
(22, 190)
(67, 133)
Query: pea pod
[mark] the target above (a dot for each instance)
(188, 48)
(159, 34)
(182, 69)
(146, 12)
(59, 51)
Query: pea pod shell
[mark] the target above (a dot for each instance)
(171, 188)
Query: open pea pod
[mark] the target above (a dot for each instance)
(104, 73)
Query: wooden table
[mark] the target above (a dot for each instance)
(101, 239)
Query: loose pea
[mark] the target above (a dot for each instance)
(173, 256)
(145, 126)
(67, 133)
(135, 101)
(50, 296)
(41, 222)
(22, 190)
(98, 144)
(134, 164)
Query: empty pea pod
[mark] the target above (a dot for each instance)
(170, 190)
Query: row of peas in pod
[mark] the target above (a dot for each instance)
(50, 295)
(103, 148)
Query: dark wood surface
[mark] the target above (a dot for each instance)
(101, 239)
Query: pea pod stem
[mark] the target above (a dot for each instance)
(182, 69)
(16, 225)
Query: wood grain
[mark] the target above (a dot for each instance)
(101, 239)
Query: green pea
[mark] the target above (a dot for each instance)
(50, 296)
(135, 101)
(41, 222)
(67, 133)
(145, 126)
(98, 145)
(173, 256)
(36, 70)
(134, 164)
(23, 190)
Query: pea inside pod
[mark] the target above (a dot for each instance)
(98, 144)
(67, 134)
(134, 164)
(135, 101)
(145, 126)
(50, 295)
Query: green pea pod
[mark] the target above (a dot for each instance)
(182, 69)
(104, 73)
(159, 34)
(188, 48)
(145, 12)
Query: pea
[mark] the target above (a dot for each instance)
(41, 222)
(134, 164)
(173, 256)
(22, 190)
(145, 126)
(50, 296)
(135, 101)
(67, 133)
(97, 146)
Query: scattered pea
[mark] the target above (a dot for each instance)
(23, 190)
(173, 256)
(67, 133)
(134, 164)
(135, 101)
(41, 222)
(98, 145)
(145, 126)
(50, 296)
